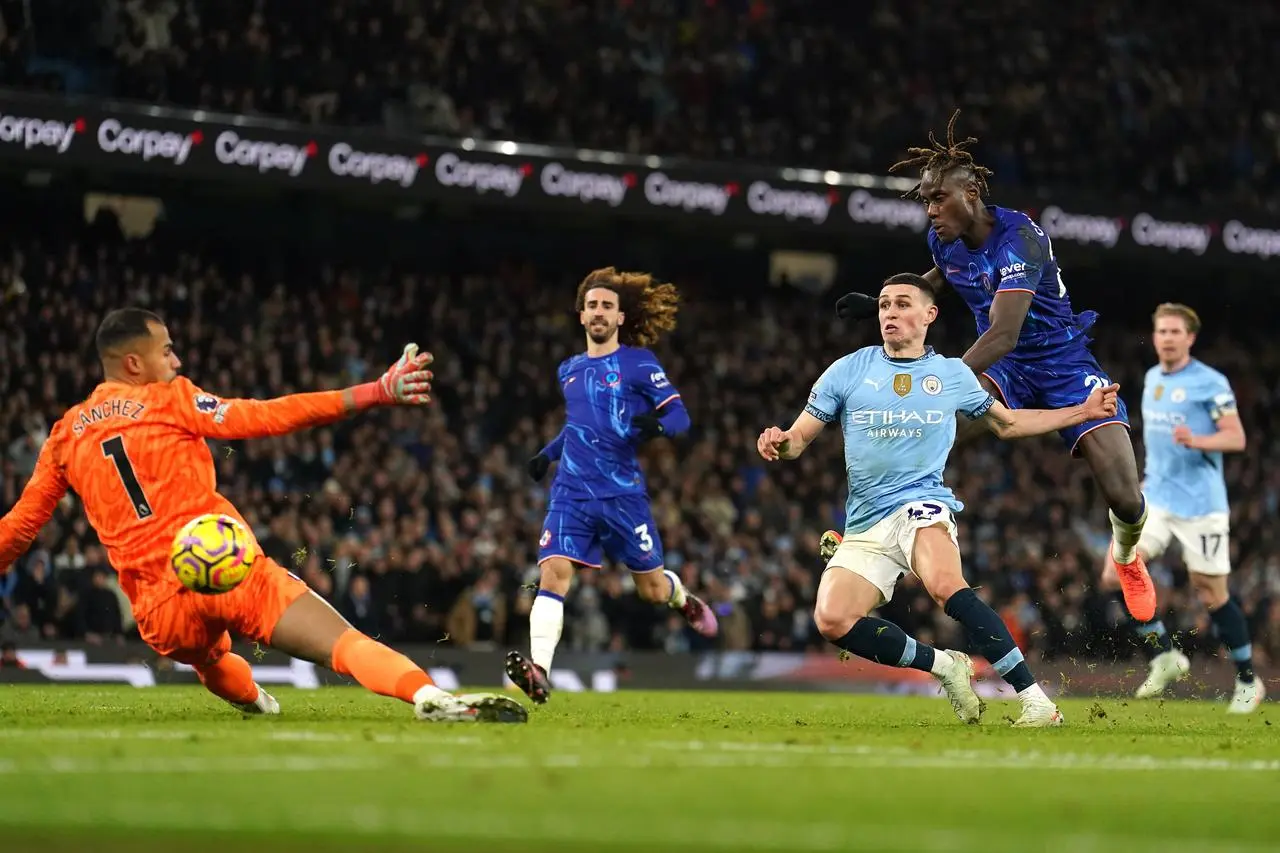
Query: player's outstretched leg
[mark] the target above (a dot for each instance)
(844, 600)
(663, 586)
(312, 630)
(1110, 456)
(936, 561)
(229, 677)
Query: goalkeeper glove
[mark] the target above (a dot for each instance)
(648, 426)
(538, 466)
(857, 306)
(407, 382)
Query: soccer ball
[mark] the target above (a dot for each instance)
(212, 554)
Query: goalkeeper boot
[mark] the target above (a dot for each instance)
(529, 677)
(264, 704)
(433, 705)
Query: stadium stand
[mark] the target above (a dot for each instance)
(1137, 101)
(422, 527)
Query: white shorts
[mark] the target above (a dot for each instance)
(882, 553)
(1206, 546)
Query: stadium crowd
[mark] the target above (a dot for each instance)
(423, 526)
(1135, 99)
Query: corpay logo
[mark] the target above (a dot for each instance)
(662, 191)
(556, 180)
(117, 138)
(1239, 239)
(1174, 236)
(347, 162)
(890, 212)
(37, 132)
(231, 150)
(789, 204)
(453, 171)
(1060, 225)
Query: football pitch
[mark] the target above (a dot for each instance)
(125, 769)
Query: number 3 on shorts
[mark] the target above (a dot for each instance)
(646, 541)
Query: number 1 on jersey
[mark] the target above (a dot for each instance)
(113, 449)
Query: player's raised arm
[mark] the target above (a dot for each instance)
(1019, 264)
(48, 483)
(407, 382)
(826, 401)
(1023, 423)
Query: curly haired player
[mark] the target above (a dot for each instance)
(1032, 349)
(135, 454)
(617, 396)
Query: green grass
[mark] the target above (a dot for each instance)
(122, 769)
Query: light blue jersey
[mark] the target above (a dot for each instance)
(899, 422)
(1184, 482)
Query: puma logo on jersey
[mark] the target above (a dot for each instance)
(874, 384)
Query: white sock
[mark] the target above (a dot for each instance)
(677, 597)
(1125, 537)
(941, 660)
(546, 622)
(429, 693)
(1034, 692)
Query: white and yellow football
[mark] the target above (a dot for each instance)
(213, 554)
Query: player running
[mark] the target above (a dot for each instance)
(1032, 349)
(616, 396)
(1189, 420)
(136, 455)
(897, 406)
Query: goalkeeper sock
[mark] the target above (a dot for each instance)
(991, 637)
(546, 622)
(1125, 535)
(230, 679)
(377, 667)
(885, 643)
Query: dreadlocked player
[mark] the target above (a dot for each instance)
(1032, 349)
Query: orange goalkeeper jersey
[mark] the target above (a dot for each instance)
(137, 457)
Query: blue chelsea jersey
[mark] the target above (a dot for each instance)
(601, 396)
(898, 417)
(1184, 482)
(1016, 256)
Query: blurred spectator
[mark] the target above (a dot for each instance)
(1138, 100)
(421, 526)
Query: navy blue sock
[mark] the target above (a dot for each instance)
(990, 637)
(1155, 639)
(886, 643)
(1231, 628)
(1142, 507)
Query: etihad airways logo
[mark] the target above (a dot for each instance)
(39, 133)
(887, 417)
(115, 137)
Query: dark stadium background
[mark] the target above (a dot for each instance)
(422, 528)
